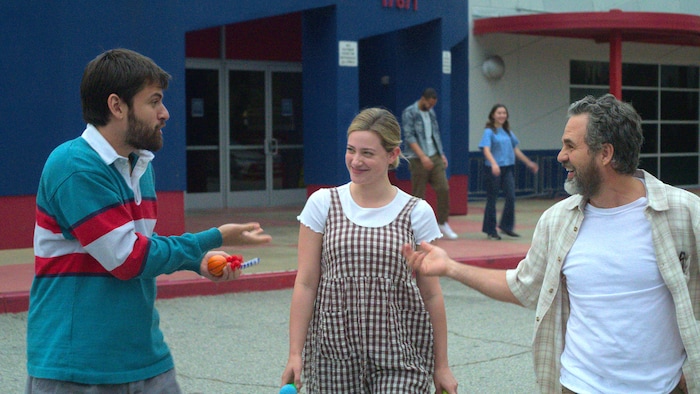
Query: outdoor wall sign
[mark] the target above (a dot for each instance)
(401, 4)
(347, 53)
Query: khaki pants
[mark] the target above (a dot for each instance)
(420, 178)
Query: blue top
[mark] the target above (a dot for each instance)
(501, 144)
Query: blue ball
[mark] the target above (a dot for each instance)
(288, 389)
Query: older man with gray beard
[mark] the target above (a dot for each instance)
(612, 271)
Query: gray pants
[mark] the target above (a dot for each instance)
(164, 383)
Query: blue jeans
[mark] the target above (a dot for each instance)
(493, 184)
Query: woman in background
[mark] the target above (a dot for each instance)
(500, 147)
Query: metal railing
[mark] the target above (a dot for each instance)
(548, 182)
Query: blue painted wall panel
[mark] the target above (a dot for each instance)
(459, 132)
(46, 46)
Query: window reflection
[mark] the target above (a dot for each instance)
(667, 97)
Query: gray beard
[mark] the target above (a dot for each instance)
(572, 187)
(589, 188)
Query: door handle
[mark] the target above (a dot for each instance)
(272, 146)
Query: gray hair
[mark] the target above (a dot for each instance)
(611, 121)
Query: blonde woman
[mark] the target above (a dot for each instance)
(361, 321)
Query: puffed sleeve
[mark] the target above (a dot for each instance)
(315, 210)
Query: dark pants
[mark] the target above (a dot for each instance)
(493, 184)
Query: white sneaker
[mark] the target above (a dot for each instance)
(447, 231)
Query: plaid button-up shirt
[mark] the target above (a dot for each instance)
(538, 282)
(414, 131)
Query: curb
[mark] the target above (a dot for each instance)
(18, 301)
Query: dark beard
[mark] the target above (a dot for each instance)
(141, 136)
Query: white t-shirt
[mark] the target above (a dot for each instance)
(430, 148)
(315, 212)
(622, 335)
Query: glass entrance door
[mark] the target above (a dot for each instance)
(247, 132)
(259, 150)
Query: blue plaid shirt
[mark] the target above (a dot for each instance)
(413, 130)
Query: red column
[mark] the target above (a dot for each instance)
(616, 64)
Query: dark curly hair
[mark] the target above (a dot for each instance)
(611, 121)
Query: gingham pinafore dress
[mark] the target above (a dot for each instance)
(370, 331)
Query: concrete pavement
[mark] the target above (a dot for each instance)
(232, 338)
(237, 343)
(278, 259)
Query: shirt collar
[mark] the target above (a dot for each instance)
(656, 191)
(656, 194)
(98, 142)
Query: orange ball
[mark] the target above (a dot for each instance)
(216, 264)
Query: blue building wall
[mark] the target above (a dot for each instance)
(46, 45)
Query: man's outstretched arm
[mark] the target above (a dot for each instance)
(432, 260)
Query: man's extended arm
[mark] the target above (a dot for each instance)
(432, 260)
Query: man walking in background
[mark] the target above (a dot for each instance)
(426, 155)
